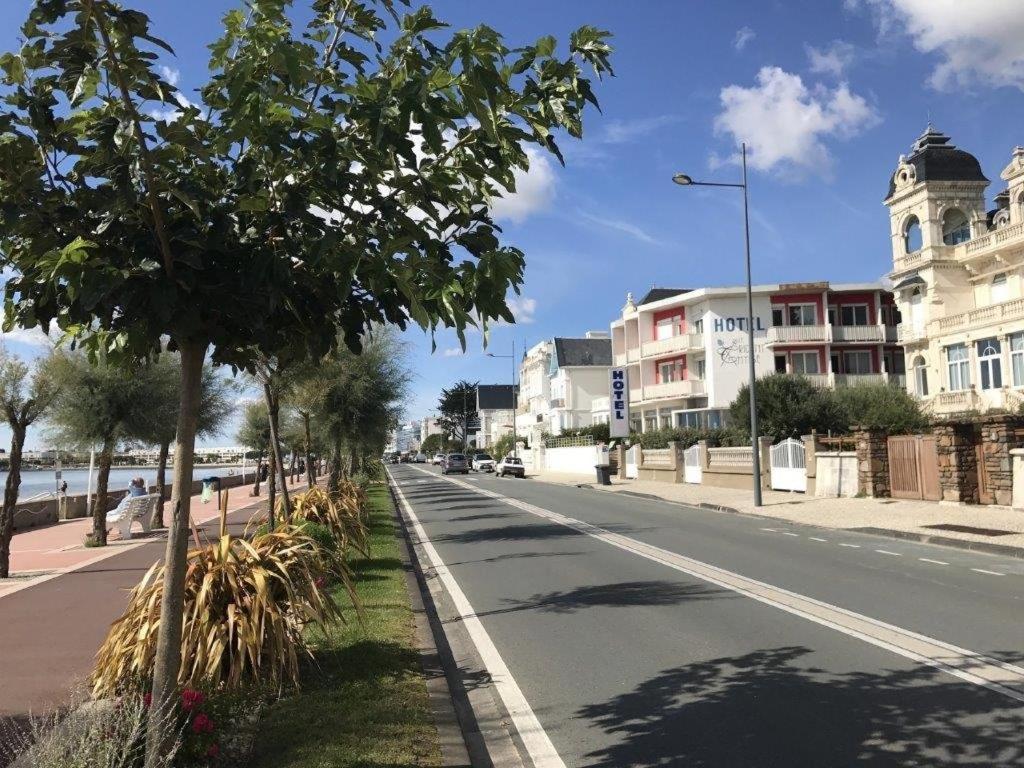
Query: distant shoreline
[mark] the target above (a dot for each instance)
(51, 468)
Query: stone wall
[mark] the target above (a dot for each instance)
(872, 462)
(1000, 433)
(958, 462)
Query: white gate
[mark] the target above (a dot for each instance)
(633, 463)
(789, 466)
(692, 472)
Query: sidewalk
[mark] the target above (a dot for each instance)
(890, 516)
(52, 626)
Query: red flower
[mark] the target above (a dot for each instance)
(202, 724)
(213, 751)
(147, 700)
(320, 582)
(191, 699)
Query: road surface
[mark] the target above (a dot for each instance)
(629, 632)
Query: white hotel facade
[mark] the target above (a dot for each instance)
(686, 351)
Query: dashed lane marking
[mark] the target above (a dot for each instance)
(929, 560)
(989, 573)
(887, 552)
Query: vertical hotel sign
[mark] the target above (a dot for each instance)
(618, 423)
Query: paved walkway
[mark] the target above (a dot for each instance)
(890, 514)
(52, 626)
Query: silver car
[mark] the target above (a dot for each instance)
(455, 462)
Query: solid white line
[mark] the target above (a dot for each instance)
(929, 560)
(787, 533)
(887, 552)
(815, 538)
(994, 674)
(535, 738)
(770, 530)
(990, 573)
(851, 546)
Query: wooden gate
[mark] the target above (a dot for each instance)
(914, 467)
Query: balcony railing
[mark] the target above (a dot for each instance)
(909, 334)
(1008, 310)
(558, 402)
(855, 379)
(867, 334)
(679, 343)
(992, 240)
(685, 388)
(799, 334)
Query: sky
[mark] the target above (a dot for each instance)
(826, 93)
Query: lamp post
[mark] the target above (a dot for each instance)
(512, 357)
(685, 181)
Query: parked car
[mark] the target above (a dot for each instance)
(420, 458)
(483, 463)
(511, 465)
(438, 459)
(391, 458)
(455, 462)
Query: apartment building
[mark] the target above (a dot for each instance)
(687, 351)
(560, 379)
(496, 410)
(957, 277)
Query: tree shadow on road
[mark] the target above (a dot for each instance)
(774, 708)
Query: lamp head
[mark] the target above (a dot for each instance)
(682, 180)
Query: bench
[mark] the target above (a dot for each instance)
(139, 508)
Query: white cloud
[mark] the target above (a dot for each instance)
(743, 36)
(785, 124)
(625, 227)
(32, 337)
(168, 112)
(523, 309)
(832, 60)
(623, 131)
(453, 352)
(171, 75)
(535, 189)
(977, 42)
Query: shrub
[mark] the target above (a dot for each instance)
(246, 604)
(600, 432)
(788, 406)
(881, 406)
(687, 436)
(342, 512)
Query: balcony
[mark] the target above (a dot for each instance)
(916, 260)
(633, 354)
(910, 334)
(682, 342)
(985, 245)
(685, 388)
(558, 402)
(862, 334)
(799, 334)
(977, 318)
(857, 379)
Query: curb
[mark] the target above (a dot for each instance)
(985, 547)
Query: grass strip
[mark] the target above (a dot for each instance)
(365, 703)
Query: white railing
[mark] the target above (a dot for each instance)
(898, 380)
(679, 343)
(686, 388)
(799, 334)
(659, 456)
(871, 334)
(999, 237)
(854, 379)
(955, 402)
(730, 457)
(908, 333)
(1008, 310)
(909, 261)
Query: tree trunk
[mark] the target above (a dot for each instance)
(161, 484)
(256, 484)
(310, 474)
(271, 489)
(354, 461)
(102, 503)
(160, 728)
(334, 478)
(275, 443)
(11, 499)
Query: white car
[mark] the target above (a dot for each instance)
(483, 463)
(420, 458)
(511, 465)
(438, 458)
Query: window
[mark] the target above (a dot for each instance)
(854, 314)
(893, 361)
(955, 227)
(920, 377)
(834, 362)
(990, 363)
(912, 235)
(805, 362)
(778, 313)
(857, 361)
(668, 327)
(698, 326)
(780, 363)
(1017, 358)
(832, 314)
(1000, 290)
(671, 371)
(802, 314)
(890, 315)
(701, 369)
(959, 368)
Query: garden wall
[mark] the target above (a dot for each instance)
(836, 474)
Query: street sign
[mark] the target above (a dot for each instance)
(618, 420)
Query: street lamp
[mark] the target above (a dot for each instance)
(512, 357)
(685, 181)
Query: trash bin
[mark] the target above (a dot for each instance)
(603, 475)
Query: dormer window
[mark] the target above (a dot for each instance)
(912, 235)
(955, 227)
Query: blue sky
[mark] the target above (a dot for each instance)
(827, 93)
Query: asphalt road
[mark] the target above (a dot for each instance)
(641, 633)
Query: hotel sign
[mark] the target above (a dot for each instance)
(618, 422)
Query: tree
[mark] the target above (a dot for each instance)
(25, 395)
(787, 406)
(319, 182)
(433, 444)
(457, 411)
(159, 422)
(100, 403)
(308, 385)
(881, 406)
(254, 433)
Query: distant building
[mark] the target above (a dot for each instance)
(429, 425)
(407, 437)
(496, 411)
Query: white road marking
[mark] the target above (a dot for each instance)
(851, 546)
(929, 560)
(990, 573)
(535, 738)
(815, 538)
(787, 533)
(770, 530)
(978, 669)
(887, 552)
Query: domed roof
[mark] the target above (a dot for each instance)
(935, 159)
